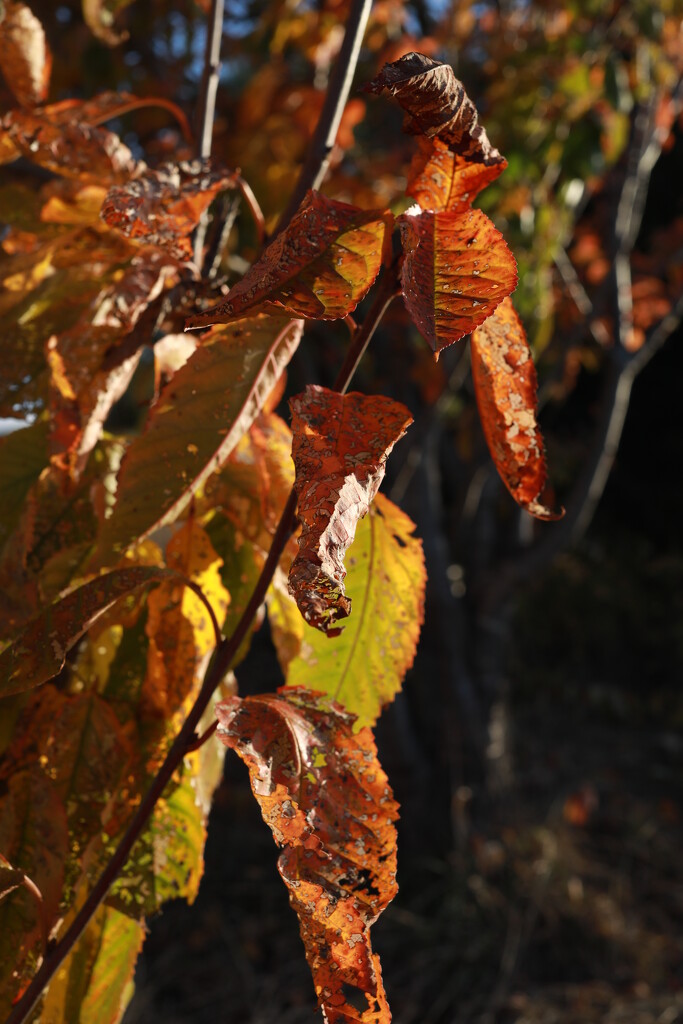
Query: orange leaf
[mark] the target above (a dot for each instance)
(457, 269)
(319, 267)
(99, 17)
(25, 57)
(164, 206)
(328, 803)
(505, 386)
(340, 446)
(456, 159)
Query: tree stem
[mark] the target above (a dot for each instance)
(207, 105)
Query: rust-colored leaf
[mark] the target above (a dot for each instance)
(319, 267)
(39, 651)
(25, 56)
(340, 446)
(99, 17)
(457, 268)
(505, 385)
(328, 803)
(163, 206)
(455, 160)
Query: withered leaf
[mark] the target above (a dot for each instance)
(456, 159)
(25, 56)
(319, 267)
(163, 206)
(340, 446)
(457, 268)
(328, 803)
(505, 386)
(99, 17)
(40, 649)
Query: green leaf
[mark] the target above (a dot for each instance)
(40, 649)
(364, 667)
(198, 419)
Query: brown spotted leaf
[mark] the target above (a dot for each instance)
(25, 57)
(456, 160)
(163, 206)
(328, 803)
(340, 446)
(457, 268)
(505, 386)
(40, 649)
(319, 267)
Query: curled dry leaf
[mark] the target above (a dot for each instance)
(328, 803)
(163, 206)
(319, 267)
(99, 17)
(455, 160)
(457, 268)
(340, 446)
(505, 386)
(25, 56)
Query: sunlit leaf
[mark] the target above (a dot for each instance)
(340, 446)
(178, 624)
(328, 803)
(198, 419)
(25, 57)
(34, 839)
(163, 206)
(455, 160)
(99, 17)
(363, 669)
(505, 386)
(319, 267)
(40, 649)
(95, 982)
(457, 269)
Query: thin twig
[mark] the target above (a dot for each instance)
(317, 160)
(37, 895)
(207, 106)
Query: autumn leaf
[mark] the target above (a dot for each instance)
(505, 386)
(34, 839)
(457, 268)
(319, 267)
(329, 806)
(363, 669)
(25, 57)
(23, 456)
(163, 206)
(40, 649)
(455, 160)
(340, 446)
(99, 17)
(197, 420)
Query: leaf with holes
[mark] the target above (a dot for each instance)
(505, 386)
(40, 649)
(319, 267)
(25, 56)
(329, 806)
(340, 446)
(455, 160)
(457, 268)
(364, 668)
(196, 422)
(163, 206)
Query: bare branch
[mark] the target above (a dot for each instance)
(207, 105)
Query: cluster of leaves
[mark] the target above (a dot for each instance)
(98, 671)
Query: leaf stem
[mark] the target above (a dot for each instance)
(320, 149)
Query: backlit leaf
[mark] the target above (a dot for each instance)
(328, 803)
(456, 159)
(319, 267)
(25, 56)
(99, 17)
(40, 649)
(457, 268)
(363, 669)
(340, 446)
(198, 419)
(95, 982)
(505, 386)
(33, 838)
(163, 206)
